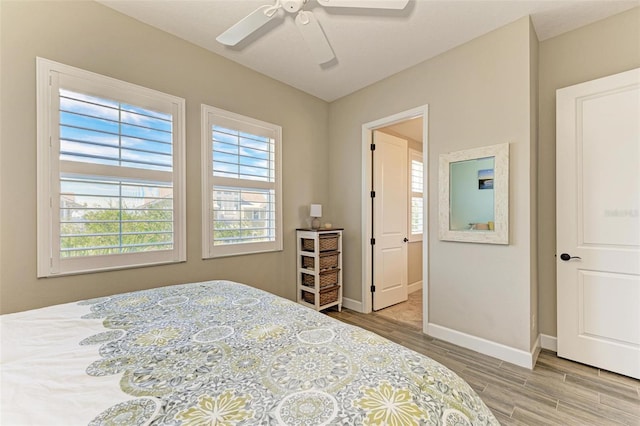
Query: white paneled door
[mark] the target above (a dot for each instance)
(598, 222)
(390, 220)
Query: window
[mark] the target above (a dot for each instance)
(416, 196)
(241, 184)
(110, 173)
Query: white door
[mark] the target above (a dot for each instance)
(389, 220)
(598, 224)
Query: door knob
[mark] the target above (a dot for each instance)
(405, 240)
(567, 256)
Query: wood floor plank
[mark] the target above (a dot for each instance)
(556, 392)
(506, 420)
(549, 359)
(468, 354)
(446, 360)
(550, 373)
(496, 375)
(547, 419)
(538, 371)
(518, 396)
(596, 414)
(611, 388)
(617, 378)
(562, 390)
(630, 406)
(477, 383)
(502, 399)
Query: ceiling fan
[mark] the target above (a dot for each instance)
(305, 21)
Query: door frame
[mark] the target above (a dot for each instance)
(365, 204)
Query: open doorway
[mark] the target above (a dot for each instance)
(411, 126)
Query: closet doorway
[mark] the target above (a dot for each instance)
(383, 267)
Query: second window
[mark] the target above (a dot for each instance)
(241, 184)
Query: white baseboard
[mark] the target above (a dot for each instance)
(549, 342)
(414, 286)
(535, 352)
(354, 305)
(497, 350)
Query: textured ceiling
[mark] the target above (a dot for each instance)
(369, 45)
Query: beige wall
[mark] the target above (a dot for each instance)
(478, 94)
(414, 253)
(90, 36)
(606, 47)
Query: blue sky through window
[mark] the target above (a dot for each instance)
(101, 131)
(242, 155)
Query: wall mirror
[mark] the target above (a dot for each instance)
(474, 195)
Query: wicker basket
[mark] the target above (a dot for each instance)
(327, 295)
(307, 244)
(325, 278)
(326, 242)
(327, 261)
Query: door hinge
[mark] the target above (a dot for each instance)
(373, 194)
(373, 289)
(373, 147)
(373, 241)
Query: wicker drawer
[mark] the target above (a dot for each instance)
(328, 260)
(326, 242)
(327, 295)
(325, 278)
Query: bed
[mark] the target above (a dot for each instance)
(216, 353)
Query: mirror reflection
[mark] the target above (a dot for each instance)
(472, 199)
(474, 195)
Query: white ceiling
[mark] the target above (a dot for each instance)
(369, 45)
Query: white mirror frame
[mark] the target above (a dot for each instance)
(500, 234)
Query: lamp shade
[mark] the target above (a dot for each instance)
(316, 210)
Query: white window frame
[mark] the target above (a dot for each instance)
(209, 116)
(50, 77)
(414, 155)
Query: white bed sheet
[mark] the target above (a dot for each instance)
(43, 344)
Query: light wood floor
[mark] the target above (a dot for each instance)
(556, 392)
(408, 312)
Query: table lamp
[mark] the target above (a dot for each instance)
(315, 213)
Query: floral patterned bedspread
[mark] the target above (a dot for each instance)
(223, 353)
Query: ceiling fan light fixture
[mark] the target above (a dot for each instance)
(293, 6)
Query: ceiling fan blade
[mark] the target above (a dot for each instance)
(247, 25)
(314, 36)
(367, 4)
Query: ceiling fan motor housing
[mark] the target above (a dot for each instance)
(292, 6)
